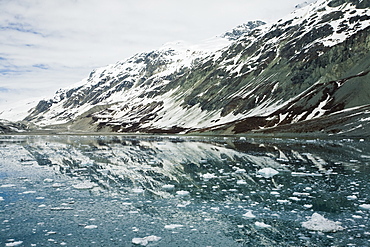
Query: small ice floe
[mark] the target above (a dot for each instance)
(48, 180)
(208, 176)
(28, 192)
(240, 170)
(50, 233)
(261, 225)
(57, 185)
(241, 182)
(301, 194)
(352, 197)
(183, 205)
(294, 198)
(7, 185)
(133, 212)
(145, 241)
(267, 172)
(1, 198)
(182, 193)
(138, 190)
(318, 222)
(84, 185)
(284, 201)
(13, 243)
(216, 209)
(91, 227)
(173, 226)
(61, 208)
(365, 206)
(249, 215)
(168, 186)
(274, 193)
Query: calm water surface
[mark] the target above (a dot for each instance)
(183, 191)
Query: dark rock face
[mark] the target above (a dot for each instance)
(301, 69)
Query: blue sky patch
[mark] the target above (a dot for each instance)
(40, 66)
(25, 28)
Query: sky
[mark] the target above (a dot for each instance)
(48, 45)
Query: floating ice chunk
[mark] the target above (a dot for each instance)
(84, 186)
(365, 206)
(352, 197)
(240, 170)
(182, 193)
(48, 180)
(61, 208)
(29, 192)
(249, 215)
(183, 205)
(267, 172)
(283, 201)
(57, 185)
(173, 226)
(209, 176)
(14, 243)
(318, 222)
(261, 224)
(145, 241)
(301, 194)
(138, 190)
(1, 198)
(7, 185)
(91, 227)
(168, 186)
(241, 182)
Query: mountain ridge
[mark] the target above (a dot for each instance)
(262, 73)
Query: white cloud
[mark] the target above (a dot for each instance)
(46, 45)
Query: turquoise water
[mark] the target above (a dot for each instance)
(183, 191)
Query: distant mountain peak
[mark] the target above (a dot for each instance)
(242, 29)
(304, 4)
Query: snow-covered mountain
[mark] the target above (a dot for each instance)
(310, 66)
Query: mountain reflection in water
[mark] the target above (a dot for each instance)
(183, 191)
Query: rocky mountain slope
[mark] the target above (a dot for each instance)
(296, 75)
(7, 127)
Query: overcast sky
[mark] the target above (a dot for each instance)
(49, 44)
